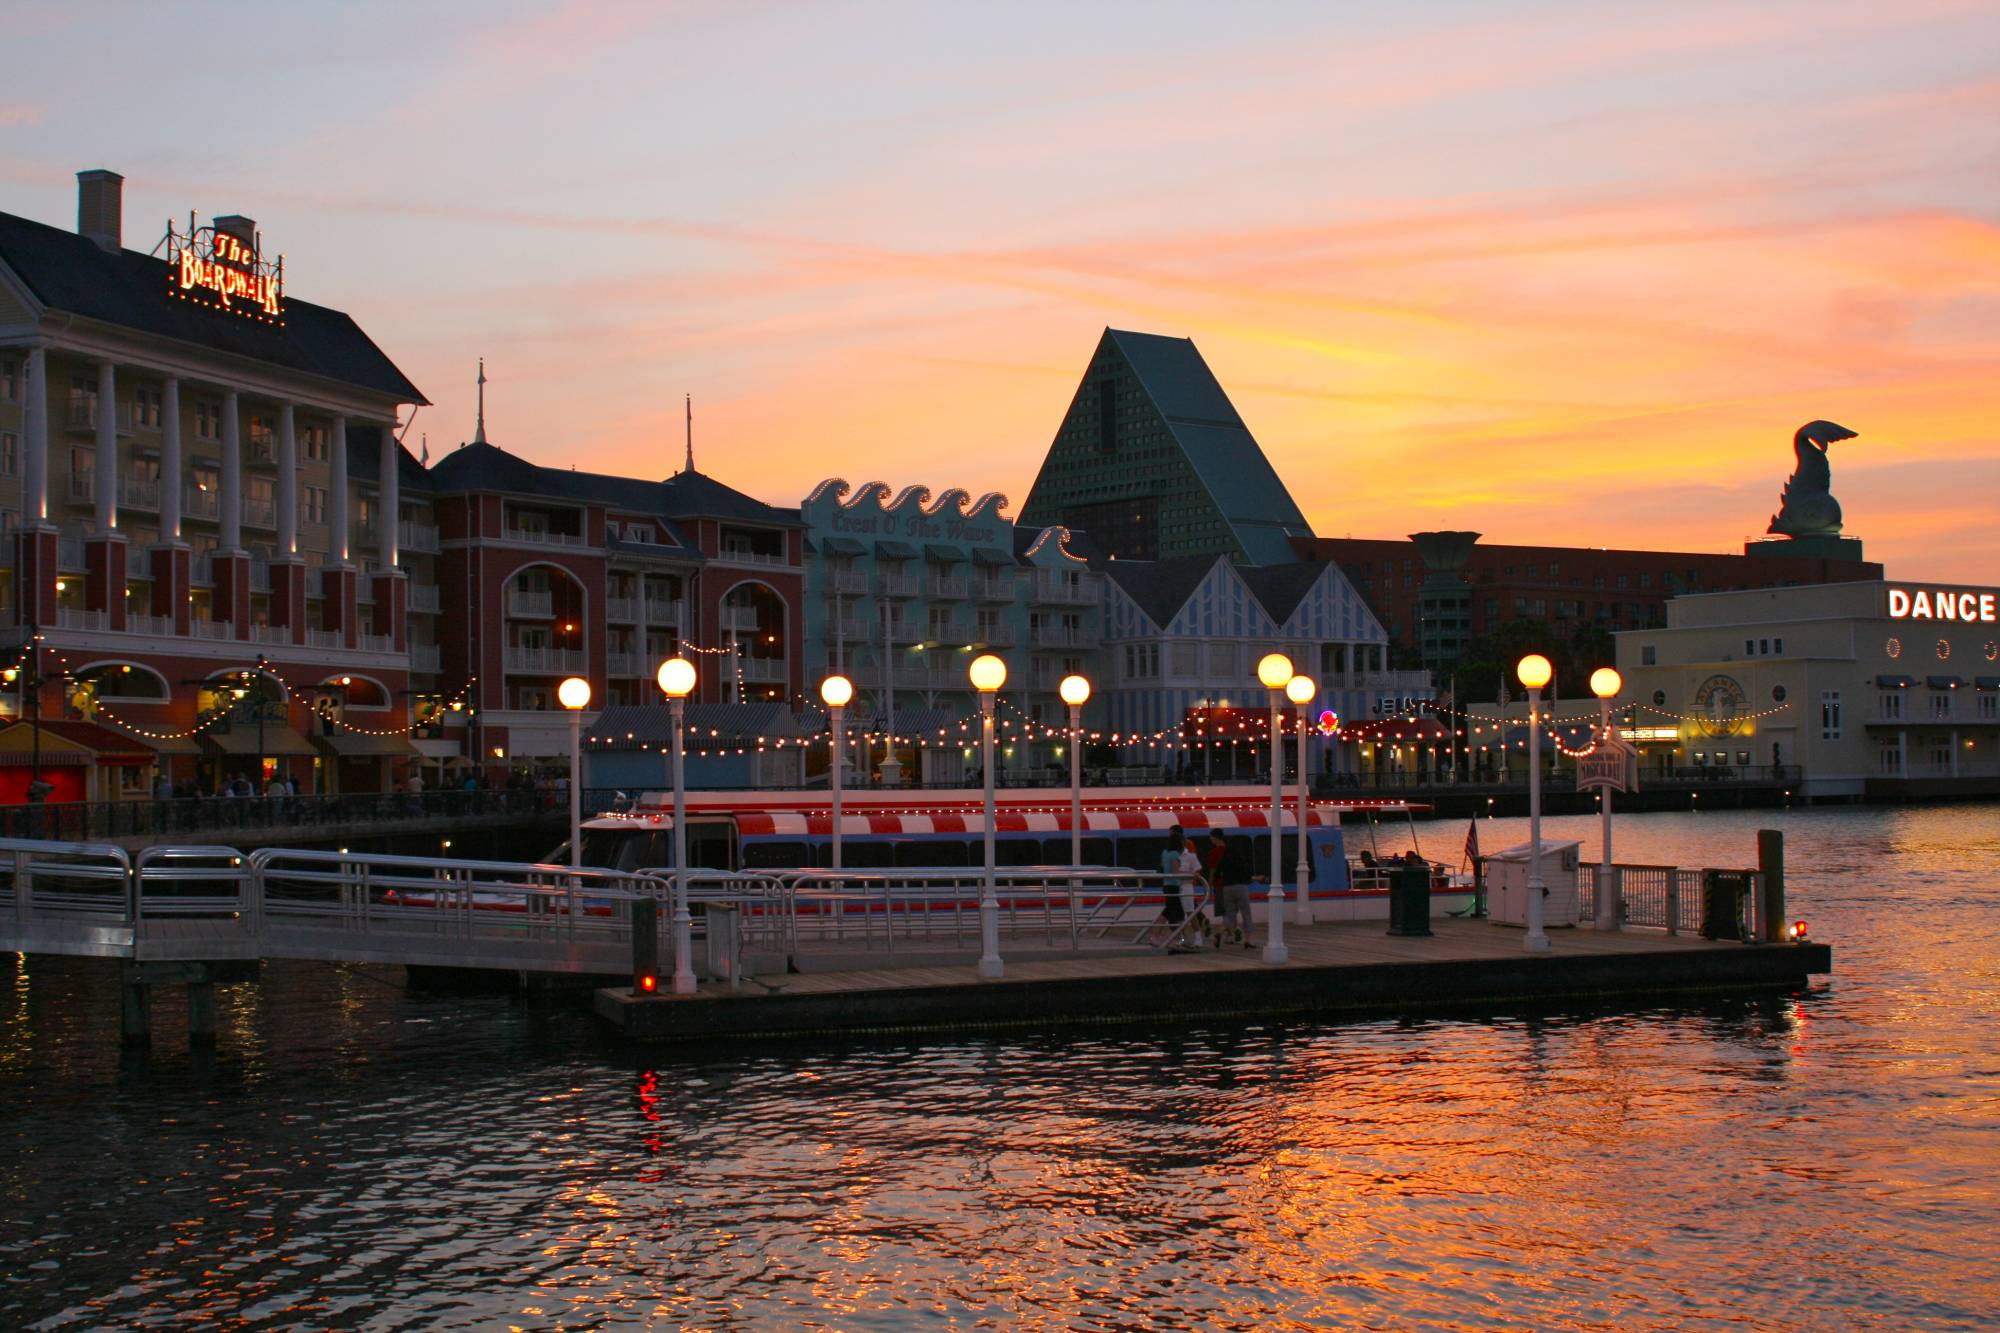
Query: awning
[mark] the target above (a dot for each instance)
(942, 555)
(895, 550)
(241, 739)
(358, 744)
(1945, 682)
(1894, 682)
(992, 558)
(1986, 682)
(67, 741)
(842, 546)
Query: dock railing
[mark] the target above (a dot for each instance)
(888, 910)
(1676, 899)
(87, 880)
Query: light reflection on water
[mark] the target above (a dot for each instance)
(356, 1157)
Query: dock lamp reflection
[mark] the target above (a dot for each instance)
(1274, 673)
(836, 692)
(1534, 672)
(1302, 691)
(1075, 691)
(676, 679)
(574, 694)
(988, 674)
(1605, 682)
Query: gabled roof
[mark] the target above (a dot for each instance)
(1280, 588)
(488, 467)
(73, 274)
(1161, 587)
(1225, 456)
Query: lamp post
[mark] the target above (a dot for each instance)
(835, 692)
(1605, 682)
(1274, 673)
(1075, 692)
(1534, 672)
(1301, 691)
(988, 674)
(574, 694)
(676, 679)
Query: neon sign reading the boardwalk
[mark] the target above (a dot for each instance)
(1943, 604)
(219, 270)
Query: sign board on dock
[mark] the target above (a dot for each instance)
(1613, 766)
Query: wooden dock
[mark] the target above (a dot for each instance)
(1351, 967)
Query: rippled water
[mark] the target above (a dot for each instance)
(356, 1157)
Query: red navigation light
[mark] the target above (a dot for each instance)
(1799, 932)
(648, 983)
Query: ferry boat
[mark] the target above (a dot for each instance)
(1123, 827)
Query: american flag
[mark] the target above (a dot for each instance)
(1472, 842)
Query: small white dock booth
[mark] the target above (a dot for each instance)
(1507, 885)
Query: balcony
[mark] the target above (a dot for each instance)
(901, 630)
(995, 636)
(740, 555)
(995, 588)
(199, 503)
(419, 537)
(1059, 637)
(140, 493)
(895, 585)
(260, 578)
(426, 657)
(739, 620)
(528, 605)
(624, 664)
(622, 610)
(373, 643)
(260, 513)
(1060, 588)
(82, 414)
(283, 634)
(212, 629)
(951, 587)
(201, 569)
(663, 612)
(162, 626)
(544, 538)
(852, 582)
(424, 598)
(83, 487)
(69, 551)
(544, 661)
(260, 447)
(75, 617)
(850, 629)
(764, 671)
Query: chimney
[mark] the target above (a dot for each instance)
(242, 228)
(100, 207)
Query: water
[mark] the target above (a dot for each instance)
(356, 1157)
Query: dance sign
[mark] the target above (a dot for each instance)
(1612, 766)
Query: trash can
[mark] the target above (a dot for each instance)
(1410, 900)
(1723, 898)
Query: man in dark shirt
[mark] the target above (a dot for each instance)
(1229, 886)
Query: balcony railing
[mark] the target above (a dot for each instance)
(951, 587)
(896, 585)
(212, 629)
(139, 493)
(281, 634)
(764, 670)
(1059, 637)
(996, 636)
(260, 513)
(157, 625)
(900, 630)
(426, 657)
(199, 503)
(995, 588)
(424, 598)
(546, 538)
(739, 620)
(545, 661)
(1061, 589)
(624, 610)
(847, 581)
(624, 664)
(737, 555)
(75, 617)
(663, 613)
(530, 605)
(324, 638)
(373, 643)
(421, 537)
(850, 629)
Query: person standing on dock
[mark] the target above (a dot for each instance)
(1229, 887)
(1172, 908)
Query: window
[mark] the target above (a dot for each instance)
(146, 407)
(1763, 647)
(315, 504)
(1649, 655)
(261, 444)
(1941, 705)
(1778, 647)
(10, 454)
(1829, 715)
(1892, 759)
(1892, 705)
(1989, 706)
(207, 419)
(10, 381)
(1624, 582)
(317, 442)
(1645, 580)
(82, 401)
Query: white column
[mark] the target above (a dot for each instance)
(106, 492)
(336, 495)
(35, 426)
(232, 473)
(170, 460)
(288, 481)
(391, 502)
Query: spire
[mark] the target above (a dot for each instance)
(479, 432)
(690, 434)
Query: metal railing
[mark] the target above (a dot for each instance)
(83, 821)
(1675, 899)
(886, 910)
(75, 878)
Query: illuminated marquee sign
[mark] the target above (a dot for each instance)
(1974, 608)
(216, 269)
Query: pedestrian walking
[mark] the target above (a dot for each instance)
(1229, 888)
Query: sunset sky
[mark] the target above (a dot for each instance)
(1559, 272)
